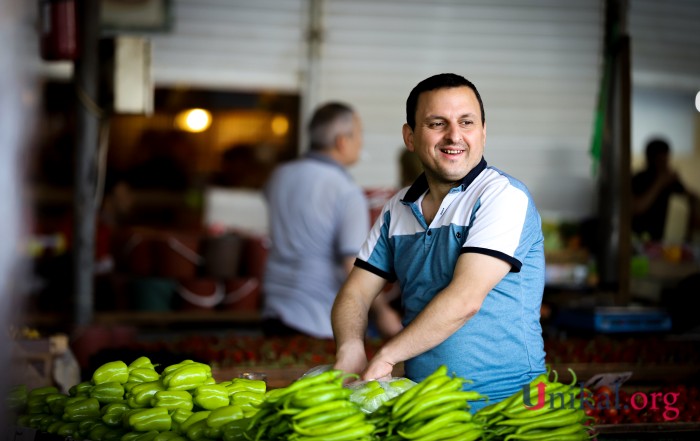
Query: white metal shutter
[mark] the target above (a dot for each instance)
(242, 44)
(666, 43)
(536, 64)
(666, 73)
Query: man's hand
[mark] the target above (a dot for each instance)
(378, 369)
(386, 319)
(351, 358)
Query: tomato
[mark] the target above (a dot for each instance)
(605, 390)
(611, 412)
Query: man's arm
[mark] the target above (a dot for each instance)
(386, 318)
(643, 201)
(349, 318)
(474, 277)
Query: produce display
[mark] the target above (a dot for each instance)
(546, 410)
(136, 402)
(250, 350)
(668, 404)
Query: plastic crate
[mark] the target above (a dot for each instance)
(615, 319)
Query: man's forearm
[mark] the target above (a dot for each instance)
(349, 318)
(475, 276)
(441, 318)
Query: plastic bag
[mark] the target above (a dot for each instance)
(369, 395)
(316, 370)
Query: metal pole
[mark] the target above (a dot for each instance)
(311, 80)
(88, 121)
(615, 193)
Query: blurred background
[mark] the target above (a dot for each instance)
(153, 125)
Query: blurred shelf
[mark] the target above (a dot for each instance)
(149, 318)
(641, 373)
(671, 431)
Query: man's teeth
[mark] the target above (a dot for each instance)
(452, 152)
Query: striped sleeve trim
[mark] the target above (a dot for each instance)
(514, 263)
(373, 269)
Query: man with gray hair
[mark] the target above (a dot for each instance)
(319, 218)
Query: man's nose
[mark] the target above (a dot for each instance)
(453, 135)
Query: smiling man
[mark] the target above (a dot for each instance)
(465, 244)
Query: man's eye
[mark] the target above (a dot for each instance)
(436, 124)
(467, 123)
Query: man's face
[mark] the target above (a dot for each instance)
(449, 137)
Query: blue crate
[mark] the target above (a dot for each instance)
(615, 319)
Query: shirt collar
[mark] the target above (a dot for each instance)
(420, 185)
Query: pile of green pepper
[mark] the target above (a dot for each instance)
(136, 403)
(184, 402)
(435, 409)
(313, 408)
(560, 417)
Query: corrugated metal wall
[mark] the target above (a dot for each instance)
(535, 62)
(239, 44)
(666, 43)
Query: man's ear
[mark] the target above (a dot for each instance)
(408, 137)
(341, 143)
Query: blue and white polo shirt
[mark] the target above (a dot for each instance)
(501, 347)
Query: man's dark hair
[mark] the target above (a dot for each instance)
(440, 81)
(656, 147)
(328, 122)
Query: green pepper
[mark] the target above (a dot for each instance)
(53, 428)
(81, 389)
(173, 367)
(199, 431)
(56, 403)
(46, 421)
(187, 377)
(141, 362)
(98, 431)
(180, 415)
(130, 385)
(172, 399)
(141, 394)
(37, 407)
(86, 408)
(211, 396)
(85, 426)
(36, 399)
(112, 413)
(143, 375)
(42, 392)
(115, 434)
(23, 420)
(245, 384)
(235, 430)
(108, 392)
(127, 414)
(254, 398)
(194, 418)
(212, 433)
(68, 429)
(224, 415)
(148, 436)
(34, 420)
(111, 371)
(17, 398)
(130, 436)
(145, 420)
(169, 436)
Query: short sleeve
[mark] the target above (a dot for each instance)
(353, 225)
